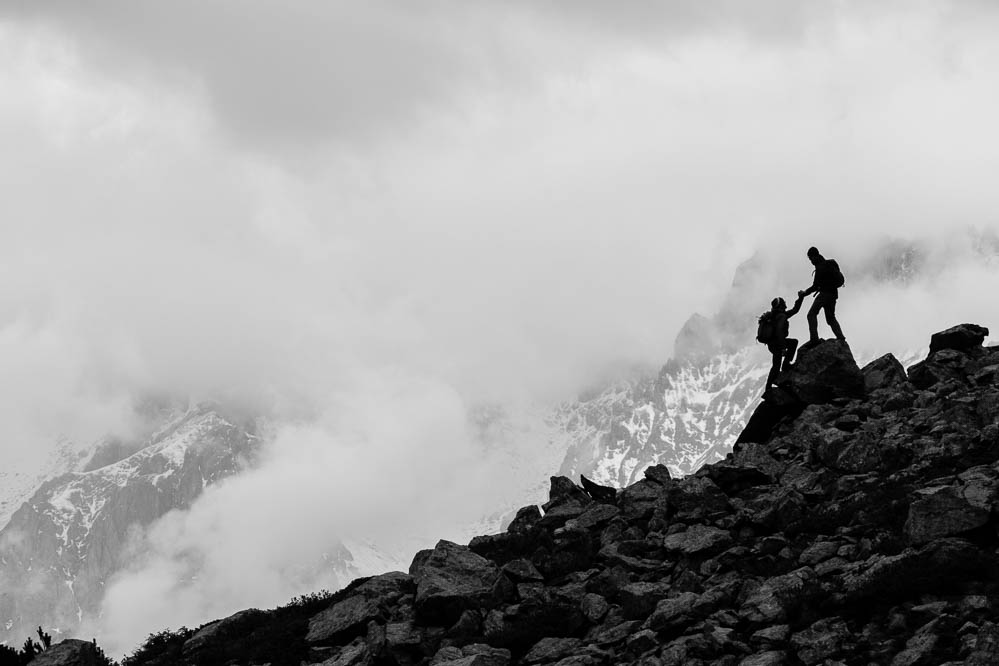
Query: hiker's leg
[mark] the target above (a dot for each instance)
(790, 346)
(813, 319)
(831, 319)
(774, 366)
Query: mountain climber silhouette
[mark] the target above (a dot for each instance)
(774, 331)
(828, 279)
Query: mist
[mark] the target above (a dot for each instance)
(362, 223)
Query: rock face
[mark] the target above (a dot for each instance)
(61, 546)
(861, 530)
(822, 373)
(70, 652)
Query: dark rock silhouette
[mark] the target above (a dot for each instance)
(70, 652)
(960, 338)
(856, 523)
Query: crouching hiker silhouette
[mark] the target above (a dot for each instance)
(773, 331)
(828, 279)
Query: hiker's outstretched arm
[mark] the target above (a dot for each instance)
(797, 306)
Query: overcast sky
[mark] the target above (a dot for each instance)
(288, 203)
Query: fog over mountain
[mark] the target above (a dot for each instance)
(364, 223)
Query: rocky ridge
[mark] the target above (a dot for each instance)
(855, 523)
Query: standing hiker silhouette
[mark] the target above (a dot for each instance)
(828, 279)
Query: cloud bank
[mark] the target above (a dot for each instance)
(353, 217)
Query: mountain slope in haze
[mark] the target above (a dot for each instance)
(61, 546)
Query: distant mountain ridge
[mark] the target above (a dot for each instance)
(61, 546)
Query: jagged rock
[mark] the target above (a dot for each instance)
(595, 516)
(698, 540)
(598, 492)
(477, 654)
(519, 626)
(451, 580)
(638, 600)
(640, 499)
(354, 654)
(942, 511)
(779, 597)
(777, 634)
(884, 373)
(961, 338)
(749, 465)
(552, 649)
(672, 612)
(822, 373)
(501, 548)
(946, 367)
(823, 640)
(527, 517)
(70, 652)
(594, 607)
(918, 651)
(986, 650)
(913, 571)
(659, 474)
(768, 658)
(240, 622)
(341, 621)
(695, 497)
(564, 491)
(522, 570)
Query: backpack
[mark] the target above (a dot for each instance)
(832, 276)
(766, 328)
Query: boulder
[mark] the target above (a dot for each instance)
(768, 658)
(698, 540)
(451, 580)
(552, 649)
(476, 654)
(519, 626)
(697, 497)
(823, 640)
(340, 622)
(961, 338)
(884, 373)
(564, 491)
(660, 474)
(638, 600)
(942, 511)
(779, 598)
(823, 372)
(525, 520)
(672, 612)
(239, 623)
(70, 652)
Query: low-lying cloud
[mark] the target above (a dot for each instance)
(365, 221)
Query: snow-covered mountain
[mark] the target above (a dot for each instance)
(61, 546)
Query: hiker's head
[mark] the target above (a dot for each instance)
(814, 256)
(778, 304)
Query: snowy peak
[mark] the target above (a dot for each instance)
(69, 538)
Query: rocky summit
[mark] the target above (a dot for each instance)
(854, 523)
